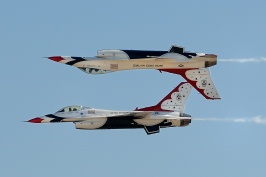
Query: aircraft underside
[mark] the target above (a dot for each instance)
(129, 123)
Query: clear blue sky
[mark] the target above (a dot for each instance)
(32, 86)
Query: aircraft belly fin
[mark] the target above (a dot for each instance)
(152, 129)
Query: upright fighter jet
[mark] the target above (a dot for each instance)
(169, 112)
(191, 66)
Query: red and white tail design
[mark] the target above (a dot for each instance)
(174, 101)
(200, 79)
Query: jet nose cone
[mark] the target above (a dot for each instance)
(35, 120)
(56, 58)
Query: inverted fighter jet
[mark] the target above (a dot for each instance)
(191, 66)
(169, 112)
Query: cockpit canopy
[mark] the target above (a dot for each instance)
(71, 108)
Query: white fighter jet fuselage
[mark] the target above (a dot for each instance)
(118, 60)
(167, 113)
(191, 66)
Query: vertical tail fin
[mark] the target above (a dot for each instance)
(174, 101)
(200, 79)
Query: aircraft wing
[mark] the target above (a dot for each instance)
(132, 115)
